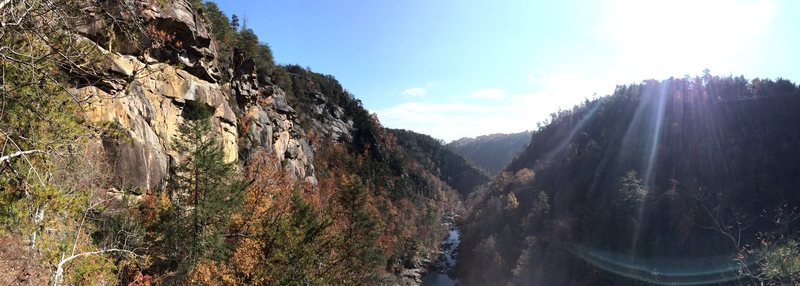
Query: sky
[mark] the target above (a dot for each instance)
(464, 68)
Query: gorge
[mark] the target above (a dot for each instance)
(438, 274)
(158, 142)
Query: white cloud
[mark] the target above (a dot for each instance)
(517, 112)
(453, 121)
(415, 92)
(490, 93)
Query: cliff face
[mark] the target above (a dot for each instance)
(268, 121)
(159, 59)
(149, 82)
(154, 31)
(148, 111)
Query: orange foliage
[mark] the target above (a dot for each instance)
(210, 273)
(269, 186)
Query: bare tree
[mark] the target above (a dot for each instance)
(59, 274)
(753, 255)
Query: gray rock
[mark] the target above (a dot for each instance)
(272, 120)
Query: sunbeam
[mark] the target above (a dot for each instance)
(652, 150)
(578, 126)
(656, 125)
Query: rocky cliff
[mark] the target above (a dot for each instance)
(150, 78)
(268, 121)
(150, 64)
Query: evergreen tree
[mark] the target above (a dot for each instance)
(234, 22)
(296, 247)
(204, 190)
(362, 230)
(632, 191)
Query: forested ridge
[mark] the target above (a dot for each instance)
(441, 161)
(685, 180)
(491, 152)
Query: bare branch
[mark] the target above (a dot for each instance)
(4, 3)
(19, 153)
(60, 267)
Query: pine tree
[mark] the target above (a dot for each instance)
(234, 22)
(363, 229)
(204, 189)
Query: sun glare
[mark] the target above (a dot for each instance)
(669, 38)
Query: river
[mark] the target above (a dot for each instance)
(447, 260)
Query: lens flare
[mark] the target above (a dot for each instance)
(665, 271)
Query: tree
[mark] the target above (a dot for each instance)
(278, 237)
(632, 191)
(511, 201)
(47, 175)
(778, 263)
(204, 189)
(362, 228)
(296, 244)
(260, 53)
(522, 269)
(493, 264)
(234, 22)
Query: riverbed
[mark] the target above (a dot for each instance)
(447, 260)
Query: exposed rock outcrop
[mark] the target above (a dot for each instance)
(414, 269)
(155, 31)
(184, 37)
(332, 121)
(146, 86)
(147, 111)
(268, 121)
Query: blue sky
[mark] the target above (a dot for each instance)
(456, 68)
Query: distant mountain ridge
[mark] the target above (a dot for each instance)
(492, 152)
(441, 161)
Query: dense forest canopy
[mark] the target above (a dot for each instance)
(682, 170)
(441, 161)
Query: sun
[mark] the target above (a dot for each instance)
(677, 37)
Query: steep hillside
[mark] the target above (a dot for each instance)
(491, 152)
(157, 142)
(440, 161)
(681, 181)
